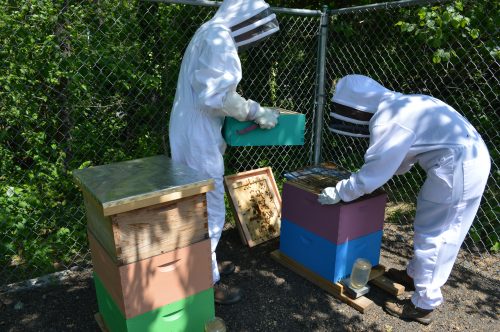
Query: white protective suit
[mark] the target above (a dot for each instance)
(206, 93)
(409, 129)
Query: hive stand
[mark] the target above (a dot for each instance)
(362, 303)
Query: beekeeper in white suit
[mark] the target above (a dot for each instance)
(206, 93)
(404, 130)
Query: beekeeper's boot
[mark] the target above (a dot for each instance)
(225, 268)
(223, 294)
(405, 309)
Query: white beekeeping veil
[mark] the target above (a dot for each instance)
(250, 21)
(355, 100)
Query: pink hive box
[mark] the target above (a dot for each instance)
(337, 223)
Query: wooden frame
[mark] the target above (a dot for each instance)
(256, 204)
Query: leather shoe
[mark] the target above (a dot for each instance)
(407, 310)
(223, 294)
(401, 277)
(225, 268)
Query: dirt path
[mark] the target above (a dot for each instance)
(275, 298)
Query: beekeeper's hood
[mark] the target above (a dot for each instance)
(250, 21)
(355, 100)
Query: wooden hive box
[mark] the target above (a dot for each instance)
(329, 260)
(327, 239)
(148, 284)
(145, 207)
(338, 222)
(289, 131)
(187, 314)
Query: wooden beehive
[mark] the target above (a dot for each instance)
(148, 234)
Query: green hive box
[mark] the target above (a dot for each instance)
(186, 315)
(289, 131)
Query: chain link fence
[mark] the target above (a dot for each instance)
(87, 83)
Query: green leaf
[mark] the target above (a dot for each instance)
(464, 22)
(85, 164)
(474, 33)
(421, 13)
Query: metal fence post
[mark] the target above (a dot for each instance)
(320, 91)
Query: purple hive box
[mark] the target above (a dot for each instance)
(337, 223)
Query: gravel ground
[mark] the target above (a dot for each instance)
(275, 298)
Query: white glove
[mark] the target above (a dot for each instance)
(266, 118)
(238, 107)
(329, 195)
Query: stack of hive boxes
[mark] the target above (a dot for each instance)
(148, 235)
(327, 239)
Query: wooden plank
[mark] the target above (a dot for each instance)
(256, 203)
(100, 322)
(388, 285)
(160, 228)
(376, 272)
(362, 304)
(130, 204)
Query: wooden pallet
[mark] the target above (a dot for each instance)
(362, 303)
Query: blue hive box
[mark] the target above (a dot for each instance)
(329, 260)
(289, 131)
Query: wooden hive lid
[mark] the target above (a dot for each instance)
(129, 185)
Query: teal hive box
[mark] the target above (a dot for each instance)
(289, 131)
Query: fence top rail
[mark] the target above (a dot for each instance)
(207, 3)
(384, 5)
(311, 12)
